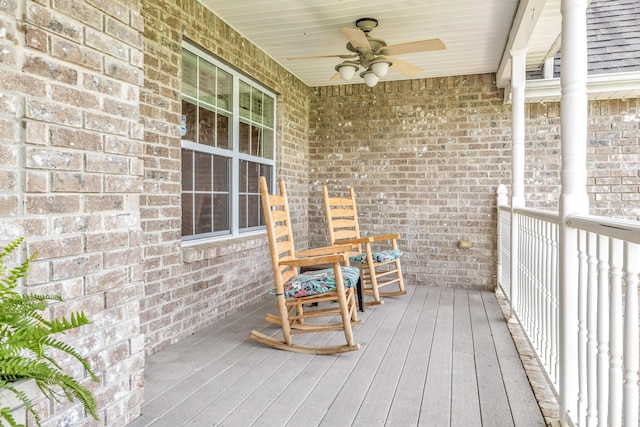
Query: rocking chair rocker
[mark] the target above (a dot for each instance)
(296, 292)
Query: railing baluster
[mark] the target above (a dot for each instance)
(582, 327)
(606, 270)
(592, 343)
(555, 312)
(615, 334)
(603, 329)
(630, 395)
(546, 279)
(540, 285)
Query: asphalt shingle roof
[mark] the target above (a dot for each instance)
(613, 38)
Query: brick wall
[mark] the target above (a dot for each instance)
(426, 157)
(71, 177)
(613, 179)
(188, 288)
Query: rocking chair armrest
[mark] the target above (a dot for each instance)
(357, 241)
(335, 249)
(385, 237)
(316, 260)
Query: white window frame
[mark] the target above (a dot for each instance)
(234, 154)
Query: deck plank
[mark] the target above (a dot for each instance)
(382, 391)
(523, 403)
(494, 403)
(436, 400)
(465, 408)
(435, 356)
(345, 407)
(314, 409)
(405, 408)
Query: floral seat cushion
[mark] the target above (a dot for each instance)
(319, 281)
(381, 256)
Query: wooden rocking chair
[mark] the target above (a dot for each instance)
(377, 256)
(295, 293)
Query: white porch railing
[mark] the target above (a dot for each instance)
(606, 331)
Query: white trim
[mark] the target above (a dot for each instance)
(524, 23)
(233, 155)
(599, 86)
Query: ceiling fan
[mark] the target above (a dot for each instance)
(373, 54)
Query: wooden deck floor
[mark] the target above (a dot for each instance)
(434, 357)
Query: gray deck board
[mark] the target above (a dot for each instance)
(493, 397)
(433, 357)
(465, 407)
(405, 408)
(436, 399)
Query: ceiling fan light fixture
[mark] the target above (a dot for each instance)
(347, 69)
(380, 66)
(369, 77)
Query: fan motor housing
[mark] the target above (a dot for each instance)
(367, 24)
(376, 45)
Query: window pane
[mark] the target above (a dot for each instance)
(243, 176)
(224, 87)
(242, 210)
(221, 181)
(249, 194)
(222, 131)
(189, 74)
(265, 171)
(221, 212)
(267, 111)
(203, 212)
(244, 138)
(253, 177)
(256, 140)
(206, 127)
(256, 106)
(207, 89)
(187, 214)
(253, 211)
(190, 118)
(267, 144)
(245, 100)
(203, 172)
(187, 170)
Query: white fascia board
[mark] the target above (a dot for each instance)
(523, 26)
(600, 86)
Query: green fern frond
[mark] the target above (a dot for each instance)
(11, 246)
(16, 273)
(59, 345)
(76, 320)
(27, 341)
(6, 414)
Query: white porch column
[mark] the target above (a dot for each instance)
(518, 78)
(573, 196)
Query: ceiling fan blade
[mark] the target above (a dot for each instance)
(357, 38)
(336, 76)
(343, 56)
(403, 67)
(412, 47)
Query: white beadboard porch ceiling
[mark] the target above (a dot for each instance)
(475, 32)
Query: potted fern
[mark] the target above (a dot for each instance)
(28, 344)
